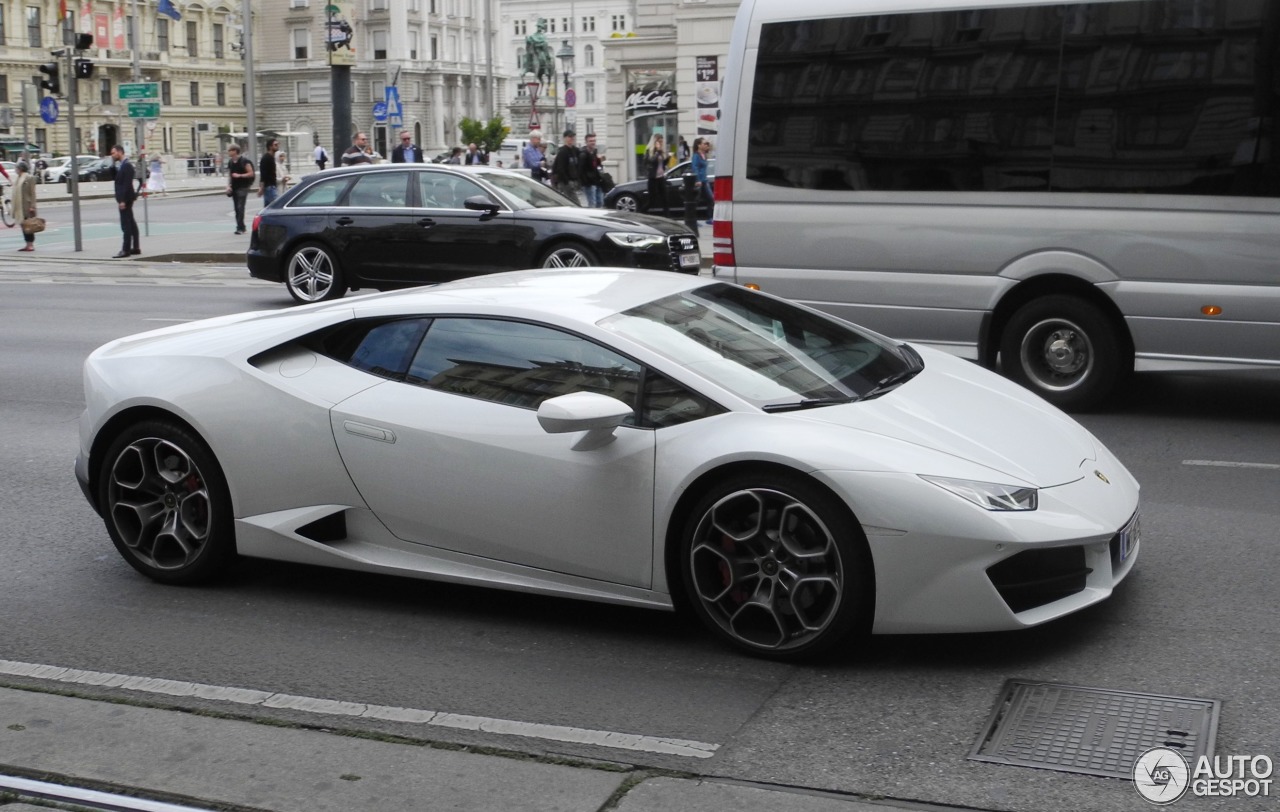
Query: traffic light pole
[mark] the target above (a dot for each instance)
(137, 122)
(73, 168)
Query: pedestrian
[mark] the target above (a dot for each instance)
(474, 156)
(355, 154)
(24, 202)
(155, 176)
(321, 157)
(455, 156)
(531, 155)
(682, 149)
(566, 170)
(701, 152)
(239, 182)
(282, 170)
(408, 152)
(269, 178)
(126, 193)
(655, 170)
(592, 161)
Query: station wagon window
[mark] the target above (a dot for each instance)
(380, 190)
(517, 363)
(437, 190)
(325, 193)
(527, 190)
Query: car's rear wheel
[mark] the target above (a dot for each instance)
(569, 256)
(777, 566)
(627, 202)
(1065, 350)
(312, 274)
(166, 504)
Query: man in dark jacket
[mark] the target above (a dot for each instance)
(126, 193)
(407, 152)
(566, 171)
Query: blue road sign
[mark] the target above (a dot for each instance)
(394, 111)
(49, 110)
(380, 111)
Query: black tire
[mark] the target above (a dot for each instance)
(780, 595)
(166, 504)
(312, 274)
(568, 255)
(6, 212)
(626, 202)
(1066, 350)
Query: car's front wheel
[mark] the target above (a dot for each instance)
(568, 256)
(626, 202)
(777, 566)
(166, 503)
(312, 274)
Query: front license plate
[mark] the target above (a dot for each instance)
(690, 260)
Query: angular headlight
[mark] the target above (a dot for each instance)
(631, 239)
(988, 495)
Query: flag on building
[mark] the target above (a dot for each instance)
(167, 8)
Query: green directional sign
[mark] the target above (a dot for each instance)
(139, 90)
(144, 109)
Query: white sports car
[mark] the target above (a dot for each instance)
(638, 437)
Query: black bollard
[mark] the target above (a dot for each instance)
(690, 195)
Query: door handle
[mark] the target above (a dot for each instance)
(426, 222)
(371, 432)
(344, 221)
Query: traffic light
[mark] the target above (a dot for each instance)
(53, 83)
(84, 69)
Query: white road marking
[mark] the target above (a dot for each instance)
(180, 321)
(330, 707)
(1227, 464)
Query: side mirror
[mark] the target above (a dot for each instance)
(481, 203)
(596, 414)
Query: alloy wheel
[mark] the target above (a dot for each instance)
(311, 274)
(159, 504)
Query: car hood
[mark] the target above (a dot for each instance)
(962, 410)
(613, 220)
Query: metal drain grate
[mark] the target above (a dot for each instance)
(1090, 730)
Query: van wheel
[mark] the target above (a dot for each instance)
(1065, 350)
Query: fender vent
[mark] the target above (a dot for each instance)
(327, 530)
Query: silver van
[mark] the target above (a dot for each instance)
(1070, 191)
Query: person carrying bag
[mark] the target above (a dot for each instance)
(24, 205)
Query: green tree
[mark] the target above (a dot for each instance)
(488, 137)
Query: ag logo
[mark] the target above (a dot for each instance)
(1161, 775)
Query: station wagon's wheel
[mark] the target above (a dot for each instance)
(313, 275)
(777, 566)
(166, 504)
(627, 202)
(1065, 350)
(568, 256)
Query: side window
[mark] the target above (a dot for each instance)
(667, 403)
(380, 190)
(324, 193)
(441, 191)
(517, 363)
(378, 347)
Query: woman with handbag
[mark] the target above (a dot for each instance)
(24, 204)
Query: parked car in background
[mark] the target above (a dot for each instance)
(11, 168)
(96, 170)
(398, 225)
(634, 195)
(57, 169)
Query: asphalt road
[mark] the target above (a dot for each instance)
(896, 717)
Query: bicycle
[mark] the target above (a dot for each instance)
(6, 209)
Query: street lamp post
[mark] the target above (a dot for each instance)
(565, 55)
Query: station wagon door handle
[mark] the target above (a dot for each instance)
(344, 221)
(426, 222)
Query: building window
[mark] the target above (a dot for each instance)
(162, 34)
(298, 3)
(589, 91)
(588, 25)
(128, 32)
(379, 44)
(222, 94)
(618, 22)
(590, 125)
(33, 27)
(2, 32)
(195, 94)
(377, 90)
(417, 92)
(435, 47)
(218, 52)
(589, 56)
(522, 27)
(415, 44)
(104, 91)
(4, 88)
(378, 5)
(192, 32)
(301, 43)
(551, 25)
(434, 8)
(302, 92)
(415, 5)
(566, 25)
(166, 93)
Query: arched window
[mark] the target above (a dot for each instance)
(589, 56)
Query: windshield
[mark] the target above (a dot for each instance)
(527, 190)
(765, 350)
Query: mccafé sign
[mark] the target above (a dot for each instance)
(650, 100)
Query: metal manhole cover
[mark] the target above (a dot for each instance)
(1090, 730)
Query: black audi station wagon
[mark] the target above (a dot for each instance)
(397, 225)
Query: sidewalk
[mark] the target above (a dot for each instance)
(205, 762)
